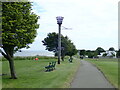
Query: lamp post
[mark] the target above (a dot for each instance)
(59, 22)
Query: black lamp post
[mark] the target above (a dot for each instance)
(59, 22)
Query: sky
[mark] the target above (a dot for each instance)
(94, 23)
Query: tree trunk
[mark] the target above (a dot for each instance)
(71, 58)
(12, 69)
(62, 58)
(62, 55)
(9, 56)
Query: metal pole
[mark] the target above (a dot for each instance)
(59, 44)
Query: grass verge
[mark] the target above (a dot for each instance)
(0, 75)
(31, 74)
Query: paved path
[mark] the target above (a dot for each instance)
(88, 76)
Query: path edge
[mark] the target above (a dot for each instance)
(74, 75)
(116, 88)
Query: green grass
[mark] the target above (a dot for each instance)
(28, 58)
(31, 74)
(0, 73)
(109, 67)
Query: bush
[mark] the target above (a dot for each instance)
(28, 58)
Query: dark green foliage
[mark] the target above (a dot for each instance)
(105, 54)
(19, 26)
(90, 54)
(0, 24)
(67, 47)
(29, 58)
(113, 55)
(51, 42)
(95, 53)
(111, 49)
(82, 53)
(118, 54)
(71, 50)
(99, 50)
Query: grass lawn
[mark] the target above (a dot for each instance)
(109, 67)
(0, 76)
(31, 74)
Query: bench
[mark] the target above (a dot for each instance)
(51, 66)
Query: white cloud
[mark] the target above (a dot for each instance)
(94, 22)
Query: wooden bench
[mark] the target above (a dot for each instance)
(51, 66)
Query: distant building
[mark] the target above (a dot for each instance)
(108, 53)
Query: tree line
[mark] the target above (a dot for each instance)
(96, 53)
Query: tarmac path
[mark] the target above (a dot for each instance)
(88, 76)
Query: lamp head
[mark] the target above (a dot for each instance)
(59, 19)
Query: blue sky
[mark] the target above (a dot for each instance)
(94, 23)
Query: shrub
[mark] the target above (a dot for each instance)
(28, 58)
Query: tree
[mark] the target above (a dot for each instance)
(82, 53)
(113, 55)
(19, 26)
(91, 54)
(71, 49)
(88, 52)
(104, 55)
(99, 50)
(118, 54)
(111, 49)
(51, 43)
(64, 46)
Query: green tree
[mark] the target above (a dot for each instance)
(19, 26)
(111, 49)
(118, 54)
(64, 46)
(99, 50)
(71, 49)
(105, 54)
(88, 52)
(51, 43)
(91, 54)
(82, 53)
